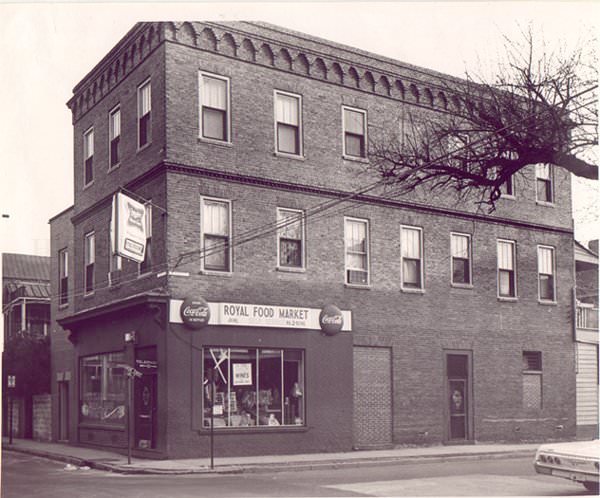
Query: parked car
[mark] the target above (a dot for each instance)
(577, 461)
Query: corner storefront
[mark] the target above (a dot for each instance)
(263, 379)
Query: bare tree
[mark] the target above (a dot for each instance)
(538, 110)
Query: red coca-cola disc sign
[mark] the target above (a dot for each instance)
(331, 319)
(195, 313)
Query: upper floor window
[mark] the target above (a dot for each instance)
(146, 265)
(507, 281)
(89, 260)
(88, 156)
(63, 277)
(508, 187)
(288, 123)
(114, 130)
(291, 238)
(355, 132)
(543, 182)
(546, 281)
(357, 251)
(215, 225)
(214, 107)
(144, 98)
(461, 258)
(411, 242)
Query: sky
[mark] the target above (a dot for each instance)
(46, 49)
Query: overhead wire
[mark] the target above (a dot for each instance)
(172, 263)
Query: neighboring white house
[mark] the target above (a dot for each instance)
(586, 339)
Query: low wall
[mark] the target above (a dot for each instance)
(42, 422)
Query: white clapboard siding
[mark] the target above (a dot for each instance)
(587, 384)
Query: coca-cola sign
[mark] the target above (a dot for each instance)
(195, 313)
(331, 319)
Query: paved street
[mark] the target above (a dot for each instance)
(26, 476)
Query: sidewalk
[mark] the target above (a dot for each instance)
(105, 460)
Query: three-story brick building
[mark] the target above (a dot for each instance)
(340, 316)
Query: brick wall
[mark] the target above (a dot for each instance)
(418, 327)
(42, 420)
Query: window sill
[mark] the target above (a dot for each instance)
(462, 286)
(146, 274)
(289, 156)
(412, 291)
(88, 185)
(216, 273)
(509, 197)
(508, 299)
(363, 160)
(358, 286)
(290, 269)
(252, 429)
(545, 203)
(88, 295)
(214, 141)
(143, 147)
(113, 168)
(63, 306)
(91, 425)
(546, 302)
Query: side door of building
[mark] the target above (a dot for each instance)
(458, 396)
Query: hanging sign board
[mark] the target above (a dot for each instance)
(128, 228)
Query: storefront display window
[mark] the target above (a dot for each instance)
(253, 387)
(103, 389)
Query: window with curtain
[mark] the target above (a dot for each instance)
(103, 383)
(546, 281)
(214, 107)
(88, 156)
(89, 261)
(354, 132)
(291, 237)
(114, 136)
(506, 269)
(461, 258)
(115, 261)
(288, 123)
(146, 265)
(245, 387)
(544, 189)
(412, 257)
(144, 114)
(216, 234)
(357, 251)
(63, 277)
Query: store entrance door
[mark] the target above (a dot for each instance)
(372, 397)
(458, 396)
(144, 398)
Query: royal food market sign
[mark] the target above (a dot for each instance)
(261, 315)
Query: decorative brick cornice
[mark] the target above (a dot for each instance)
(275, 47)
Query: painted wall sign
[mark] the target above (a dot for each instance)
(194, 313)
(331, 319)
(128, 228)
(261, 315)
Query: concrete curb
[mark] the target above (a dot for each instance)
(274, 467)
